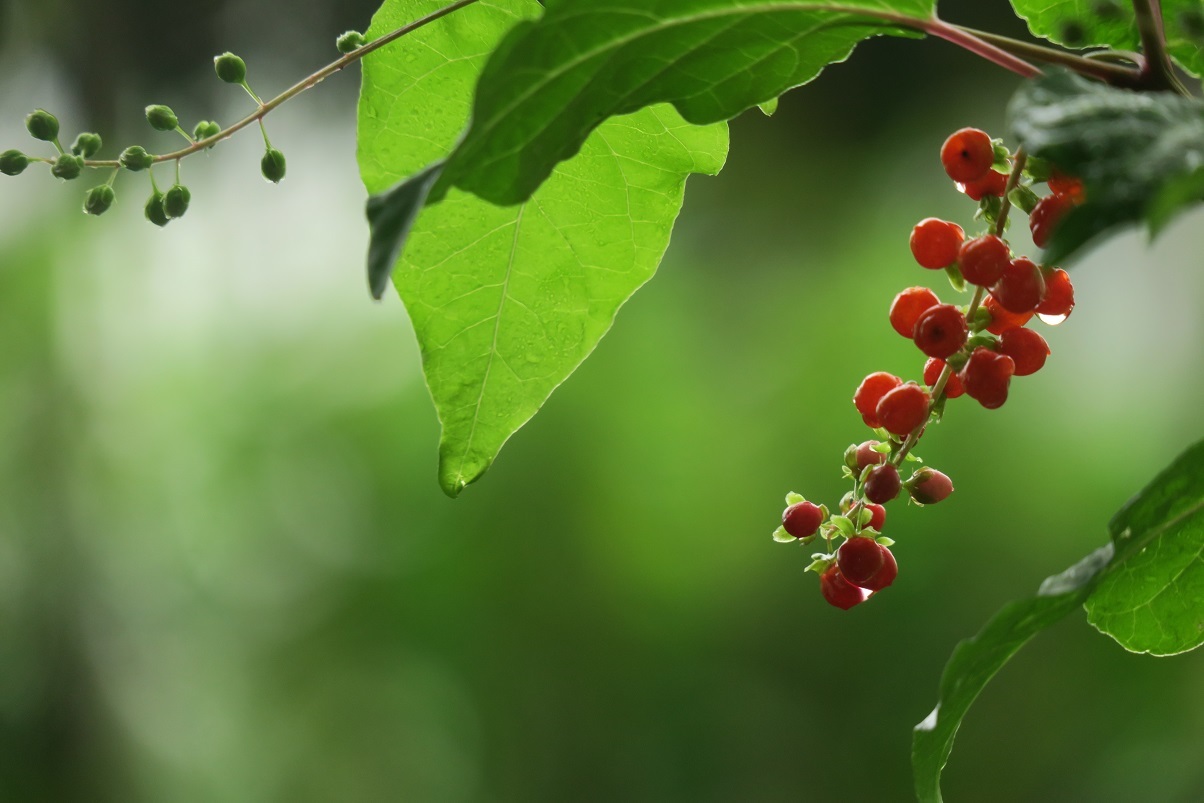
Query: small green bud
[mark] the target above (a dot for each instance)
(98, 199)
(206, 129)
(350, 41)
(13, 163)
(42, 125)
(230, 68)
(86, 145)
(162, 118)
(175, 202)
(135, 158)
(67, 166)
(272, 165)
(154, 210)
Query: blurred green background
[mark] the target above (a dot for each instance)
(227, 572)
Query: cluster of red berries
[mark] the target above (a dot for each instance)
(973, 350)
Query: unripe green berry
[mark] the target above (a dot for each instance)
(175, 202)
(86, 145)
(162, 118)
(42, 125)
(135, 158)
(13, 163)
(272, 165)
(67, 166)
(230, 68)
(98, 199)
(206, 129)
(350, 41)
(154, 210)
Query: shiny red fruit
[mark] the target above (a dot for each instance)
(1046, 216)
(1021, 288)
(802, 519)
(930, 486)
(907, 308)
(934, 242)
(992, 183)
(883, 484)
(859, 559)
(838, 591)
(884, 576)
(868, 456)
(1026, 348)
(986, 376)
(1001, 319)
(1062, 184)
(1059, 294)
(932, 372)
(983, 259)
(941, 331)
(870, 392)
(903, 409)
(877, 516)
(967, 155)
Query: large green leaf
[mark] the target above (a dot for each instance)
(1145, 589)
(1111, 23)
(1139, 154)
(552, 82)
(1152, 598)
(507, 302)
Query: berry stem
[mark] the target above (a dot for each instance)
(1091, 66)
(308, 82)
(1156, 72)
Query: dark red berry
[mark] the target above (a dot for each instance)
(1001, 319)
(1026, 348)
(967, 155)
(1059, 294)
(932, 372)
(941, 331)
(877, 516)
(1062, 184)
(802, 519)
(903, 409)
(870, 392)
(983, 259)
(839, 591)
(859, 559)
(908, 306)
(991, 184)
(930, 486)
(868, 456)
(884, 576)
(986, 376)
(934, 242)
(882, 485)
(1021, 287)
(1046, 215)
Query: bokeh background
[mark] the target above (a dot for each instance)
(227, 572)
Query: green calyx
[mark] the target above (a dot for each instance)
(272, 165)
(154, 210)
(67, 166)
(13, 163)
(175, 202)
(162, 118)
(135, 158)
(206, 129)
(98, 199)
(230, 68)
(42, 125)
(350, 41)
(86, 145)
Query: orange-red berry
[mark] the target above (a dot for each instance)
(908, 306)
(838, 591)
(867, 455)
(882, 484)
(941, 331)
(932, 372)
(1059, 294)
(802, 519)
(870, 392)
(859, 559)
(1062, 184)
(934, 242)
(1046, 216)
(1002, 319)
(986, 376)
(903, 409)
(983, 259)
(992, 183)
(1021, 287)
(884, 576)
(1026, 348)
(967, 155)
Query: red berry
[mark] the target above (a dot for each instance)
(932, 372)
(991, 184)
(934, 242)
(1046, 215)
(1026, 348)
(1062, 184)
(884, 576)
(882, 485)
(1059, 294)
(870, 392)
(877, 516)
(941, 331)
(839, 591)
(1001, 319)
(908, 306)
(986, 376)
(903, 409)
(930, 486)
(967, 155)
(983, 259)
(802, 519)
(859, 559)
(1021, 287)
(868, 456)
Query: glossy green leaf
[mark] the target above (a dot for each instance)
(507, 301)
(1138, 154)
(976, 660)
(552, 82)
(1152, 599)
(1111, 23)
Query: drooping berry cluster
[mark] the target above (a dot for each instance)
(973, 350)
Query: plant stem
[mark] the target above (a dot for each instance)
(964, 37)
(296, 89)
(1157, 72)
(1114, 74)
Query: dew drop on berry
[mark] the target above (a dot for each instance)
(1051, 320)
